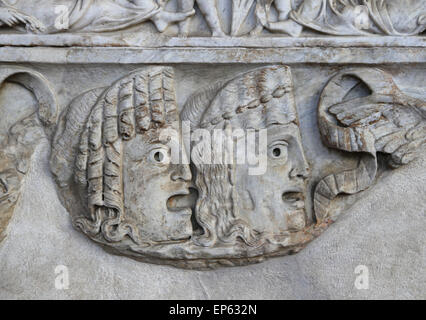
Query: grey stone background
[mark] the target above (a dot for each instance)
(383, 229)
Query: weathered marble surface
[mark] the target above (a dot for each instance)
(87, 88)
(218, 17)
(373, 232)
(410, 81)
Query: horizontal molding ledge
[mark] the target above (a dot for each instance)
(159, 41)
(216, 55)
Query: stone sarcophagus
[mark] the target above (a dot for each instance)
(209, 133)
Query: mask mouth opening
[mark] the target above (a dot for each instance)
(183, 202)
(178, 202)
(294, 199)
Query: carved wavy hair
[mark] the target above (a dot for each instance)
(257, 99)
(136, 104)
(215, 205)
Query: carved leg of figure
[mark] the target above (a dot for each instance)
(283, 8)
(289, 26)
(209, 10)
(183, 6)
(163, 19)
(257, 30)
(285, 24)
(422, 20)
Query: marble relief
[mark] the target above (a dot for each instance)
(287, 17)
(124, 172)
(20, 140)
(170, 161)
(224, 181)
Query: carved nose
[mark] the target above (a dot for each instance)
(181, 172)
(301, 171)
(301, 168)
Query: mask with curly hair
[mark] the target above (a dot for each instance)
(113, 164)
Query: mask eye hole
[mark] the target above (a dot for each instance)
(278, 151)
(159, 156)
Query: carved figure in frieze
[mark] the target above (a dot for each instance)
(345, 17)
(13, 18)
(291, 17)
(112, 15)
(283, 24)
(209, 10)
(94, 16)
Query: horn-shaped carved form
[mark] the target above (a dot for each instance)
(386, 121)
(18, 146)
(39, 86)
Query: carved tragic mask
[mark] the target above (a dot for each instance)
(123, 179)
(261, 100)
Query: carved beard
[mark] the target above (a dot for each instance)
(215, 208)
